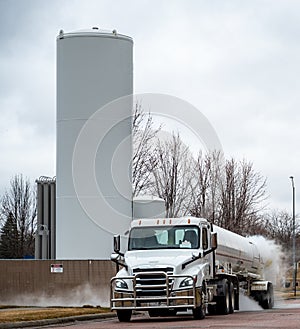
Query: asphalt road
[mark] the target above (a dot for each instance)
(284, 315)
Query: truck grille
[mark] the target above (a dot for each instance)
(152, 282)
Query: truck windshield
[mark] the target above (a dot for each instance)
(165, 237)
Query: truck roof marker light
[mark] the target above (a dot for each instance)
(189, 221)
(170, 222)
(140, 222)
(164, 221)
(157, 222)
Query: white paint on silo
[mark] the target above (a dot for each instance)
(94, 68)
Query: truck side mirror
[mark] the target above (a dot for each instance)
(117, 256)
(214, 241)
(114, 257)
(117, 244)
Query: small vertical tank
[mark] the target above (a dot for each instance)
(94, 84)
(148, 206)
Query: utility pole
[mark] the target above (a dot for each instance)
(294, 241)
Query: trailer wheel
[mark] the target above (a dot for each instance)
(223, 302)
(124, 315)
(232, 298)
(267, 301)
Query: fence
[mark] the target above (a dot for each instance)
(55, 282)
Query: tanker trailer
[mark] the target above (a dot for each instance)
(240, 258)
(180, 264)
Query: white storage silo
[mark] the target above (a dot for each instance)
(93, 195)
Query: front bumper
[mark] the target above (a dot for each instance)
(139, 299)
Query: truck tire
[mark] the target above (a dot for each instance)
(124, 315)
(199, 312)
(223, 302)
(267, 301)
(237, 297)
(232, 298)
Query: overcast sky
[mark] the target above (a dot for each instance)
(238, 62)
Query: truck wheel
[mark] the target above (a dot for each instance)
(124, 315)
(268, 298)
(199, 312)
(232, 298)
(223, 303)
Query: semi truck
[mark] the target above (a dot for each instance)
(178, 264)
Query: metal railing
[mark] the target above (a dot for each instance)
(159, 294)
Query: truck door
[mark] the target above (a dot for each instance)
(206, 247)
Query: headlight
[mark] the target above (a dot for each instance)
(121, 284)
(187, 282)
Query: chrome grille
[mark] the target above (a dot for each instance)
(152, 282)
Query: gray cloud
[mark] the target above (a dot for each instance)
(235, 61)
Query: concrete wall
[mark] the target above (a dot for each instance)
(31, 282)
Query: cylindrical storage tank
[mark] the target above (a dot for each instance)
(240, 251)
(148, 206)
(93, 192)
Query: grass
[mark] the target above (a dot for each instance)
(287, 293)
(31, 314)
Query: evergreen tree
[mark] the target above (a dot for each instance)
(9, 239)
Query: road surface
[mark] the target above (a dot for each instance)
(284, 315)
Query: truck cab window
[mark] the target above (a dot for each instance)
(191, 237)
(163, 237)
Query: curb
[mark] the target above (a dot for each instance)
(45, 322)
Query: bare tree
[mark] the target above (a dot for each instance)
(201, 183)
(18, 211)
(229, 193)
(216, 178)
(243, 194)
(279, 227)
(172, 175)
(228, 190)
(205, 198)
(143, 147)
